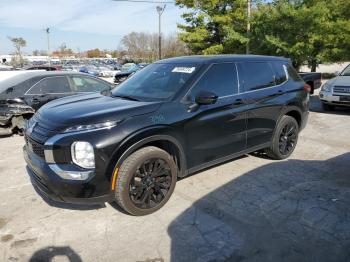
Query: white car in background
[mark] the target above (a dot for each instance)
(106, 71)
(336, 91)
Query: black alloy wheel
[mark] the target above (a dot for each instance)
(150, 183)
(284, 139)
(288, 138)
(145, 181)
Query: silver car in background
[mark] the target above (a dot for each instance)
(336, 91)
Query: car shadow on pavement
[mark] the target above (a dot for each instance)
(316, 106)
(51, 253)
(293, 210)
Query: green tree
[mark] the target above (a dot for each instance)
(307, 31)
(18, 43)
(214, 26)
(93, 53)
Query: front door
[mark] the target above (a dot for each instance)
(46, 90)
(218, 130)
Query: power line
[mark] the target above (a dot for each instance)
(146, 1)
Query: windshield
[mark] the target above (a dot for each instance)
(156, 81)
(346, 71)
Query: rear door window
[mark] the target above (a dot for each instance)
(256, 75)
(50, 85)
(220, 79)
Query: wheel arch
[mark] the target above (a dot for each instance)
(296, 114)
(292, 111)
(167, 142)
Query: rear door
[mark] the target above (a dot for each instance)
(46, 90)
(218, 130)
(262, 83)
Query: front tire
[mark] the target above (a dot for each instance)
(146, 180)
(284, 139)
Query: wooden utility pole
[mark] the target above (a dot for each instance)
(249, 7)
(48, 45)
(160, 11)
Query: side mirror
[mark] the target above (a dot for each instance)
(337, 73)
(206, 98)
(106, 92)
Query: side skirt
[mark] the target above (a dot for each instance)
(226, 158)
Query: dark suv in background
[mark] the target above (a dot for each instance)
(171, 119)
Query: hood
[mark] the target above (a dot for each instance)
(340, 81)
(92, 109)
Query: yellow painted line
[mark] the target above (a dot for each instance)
(115, 174)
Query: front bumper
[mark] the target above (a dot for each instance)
(334, 99)
(61, 190)
(7, 111)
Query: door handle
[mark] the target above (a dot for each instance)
(35, 101)
(238, 102)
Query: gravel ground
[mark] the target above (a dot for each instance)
(249, 209)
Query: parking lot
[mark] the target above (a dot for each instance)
(249, 209)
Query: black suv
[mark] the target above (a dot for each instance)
(171, 119)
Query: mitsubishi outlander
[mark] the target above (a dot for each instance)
(171, 119)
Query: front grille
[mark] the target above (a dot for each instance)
(41, 133)
(341, 89)
(36, 147)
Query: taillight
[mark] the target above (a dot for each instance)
(307, 88)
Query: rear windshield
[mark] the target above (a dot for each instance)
(12, 81)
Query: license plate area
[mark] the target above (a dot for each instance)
(344, 99)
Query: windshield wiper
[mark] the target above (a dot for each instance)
(126, 97)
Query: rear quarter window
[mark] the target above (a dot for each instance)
(280, 71)
(292, 73)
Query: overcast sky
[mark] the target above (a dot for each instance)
(82, 24)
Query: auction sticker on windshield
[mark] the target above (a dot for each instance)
(186, 70)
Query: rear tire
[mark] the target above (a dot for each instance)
(146, 180)
(285, 138)
(327, 107)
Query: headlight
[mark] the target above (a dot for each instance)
(326, 88)
(108, 124)
(83, 154)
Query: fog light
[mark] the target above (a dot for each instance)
(71, 175)
(83, 154)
